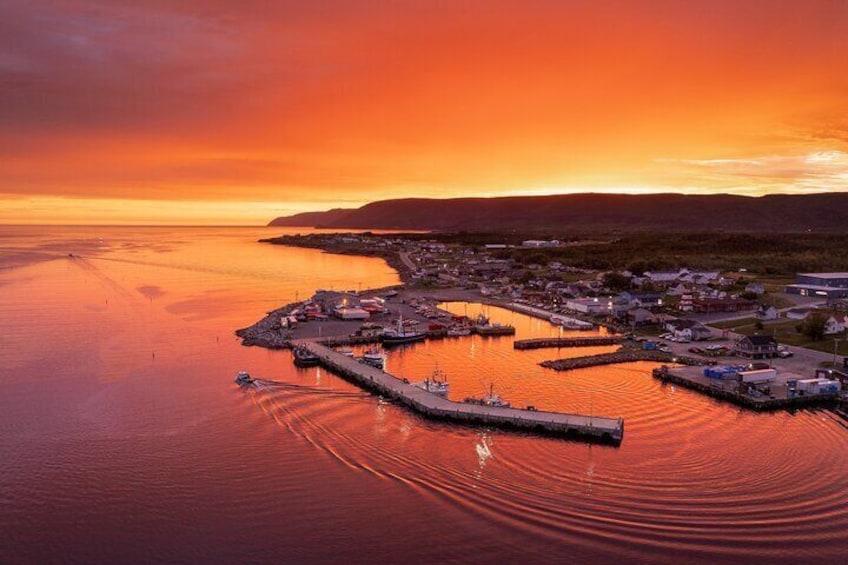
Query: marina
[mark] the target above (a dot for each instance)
(572, 426)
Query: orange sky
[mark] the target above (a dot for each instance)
(212, 111)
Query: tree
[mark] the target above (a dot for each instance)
(813, 327)
(616, 281)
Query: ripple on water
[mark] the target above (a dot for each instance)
(692, 474)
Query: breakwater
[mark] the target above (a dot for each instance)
(620, 356)
(574, 426)
(560, 342)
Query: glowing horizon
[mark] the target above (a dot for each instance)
(205, 113)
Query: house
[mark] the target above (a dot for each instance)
(665, 276)
(834, 325)
(756, 347)
(767, 312)
(678, 290)
(835, 322)
(642, 299)
(698, 277)
(755, 288)
(640, 317)
(688, 329)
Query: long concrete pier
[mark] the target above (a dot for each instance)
(592, 428)
(558, 342)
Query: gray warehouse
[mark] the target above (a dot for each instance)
(824, 285)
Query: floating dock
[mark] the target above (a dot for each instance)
(559, 342)
(573, 426)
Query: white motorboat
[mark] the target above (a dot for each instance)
(244, 378)
(374, 357)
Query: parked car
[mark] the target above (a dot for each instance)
(784, 354)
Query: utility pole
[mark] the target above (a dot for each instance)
(835, 346)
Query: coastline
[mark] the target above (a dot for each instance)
(391, 258)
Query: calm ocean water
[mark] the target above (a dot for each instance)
(123, 438)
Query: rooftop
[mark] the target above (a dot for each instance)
(825, 275)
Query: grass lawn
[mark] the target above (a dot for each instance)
(784, 332)
(739, 325)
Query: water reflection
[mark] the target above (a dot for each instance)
(95, 430)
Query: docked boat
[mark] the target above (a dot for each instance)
(346, 351)
(304, 358)
(495, 329)
(486, 327)
(459, 331)
(374, 357)
(400, 335)
(244, 378)
(437, 383)
(490, 399)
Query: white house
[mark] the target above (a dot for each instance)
(767, 312)
(834, 325)
(688, 329)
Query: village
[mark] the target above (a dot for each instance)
(728, 334)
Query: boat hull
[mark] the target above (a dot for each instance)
(400, 340)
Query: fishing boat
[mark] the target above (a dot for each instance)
(244, 378)
(304, 358)
(437, 383)
(346, 351)
(400, 335)
(486, 327)
(374, 357)
(489, 399)
(495, 329)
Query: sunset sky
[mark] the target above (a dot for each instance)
(213, 111)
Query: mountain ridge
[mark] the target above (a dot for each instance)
(587, 212)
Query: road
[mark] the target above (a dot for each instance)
(405, 259)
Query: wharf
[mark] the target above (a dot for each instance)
(560, 342)
(761, 403)
(573, 426)
(543, 314)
